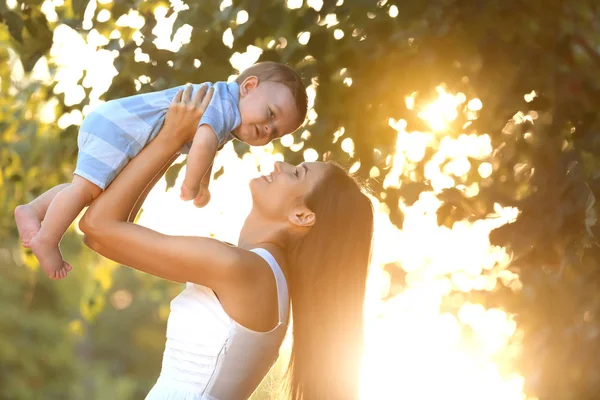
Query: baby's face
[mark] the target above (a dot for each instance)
(268, 111)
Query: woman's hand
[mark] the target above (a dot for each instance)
(185, 112)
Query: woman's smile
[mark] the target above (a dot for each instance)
(268, 178)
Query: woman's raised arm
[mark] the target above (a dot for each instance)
(203, 261)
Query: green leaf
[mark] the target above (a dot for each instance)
(172, 173)
(79, 7)
(14, 23)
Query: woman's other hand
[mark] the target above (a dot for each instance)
(181, 121)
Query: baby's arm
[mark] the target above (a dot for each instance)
(206, 177)
(208, 174)
(199, 161)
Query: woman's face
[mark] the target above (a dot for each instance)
(278, 194)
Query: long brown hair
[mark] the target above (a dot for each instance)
(327, 279)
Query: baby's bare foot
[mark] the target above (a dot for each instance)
(49, 257)
(28, 223)
(203, 197)
(188, 193)
(62, 272)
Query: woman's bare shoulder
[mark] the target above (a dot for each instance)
(251, 298)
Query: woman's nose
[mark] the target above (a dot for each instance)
(280, 166)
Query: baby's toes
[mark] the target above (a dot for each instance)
(61, 273)
(187, 194)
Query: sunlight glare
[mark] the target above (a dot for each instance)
(287, 140)
(103, 15)
(485, 170)
(442, 111)
(530, 96)
(414, 350)
(475, 105)
(132, 19)
(242, 61)
(311, 155)
(224, 4)
(348, 146)
(164, 29)
(303, 37)
(315, 4)
(88, 15)
(242, 17)
(228, 38)
(293, 4)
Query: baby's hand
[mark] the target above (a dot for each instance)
(203, 196)
(188, 193)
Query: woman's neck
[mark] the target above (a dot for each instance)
(258, 231)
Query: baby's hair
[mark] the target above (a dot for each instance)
(270, 71)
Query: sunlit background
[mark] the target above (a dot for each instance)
(414, 349)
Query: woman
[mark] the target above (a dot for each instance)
(310, 228)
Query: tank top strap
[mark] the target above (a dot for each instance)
(282, 288)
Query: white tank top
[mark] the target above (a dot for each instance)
(209, 356)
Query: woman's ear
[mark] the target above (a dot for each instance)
(302, 217)
(249, 84)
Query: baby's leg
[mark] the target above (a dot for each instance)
(63, 209)
(29, 216)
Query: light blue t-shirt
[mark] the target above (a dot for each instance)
(116, 131)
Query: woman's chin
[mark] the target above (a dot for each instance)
(260, 184)
(255, 182)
